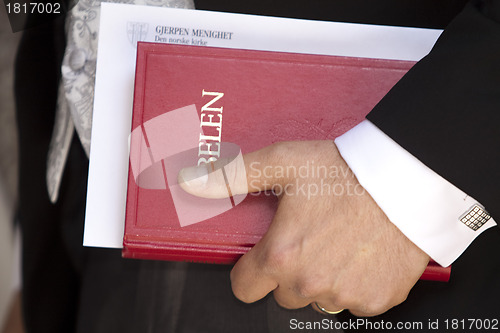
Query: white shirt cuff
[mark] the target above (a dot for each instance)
(429, 210)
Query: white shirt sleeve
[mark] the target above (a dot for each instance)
(433, 213)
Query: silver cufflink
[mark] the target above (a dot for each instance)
(475, 217)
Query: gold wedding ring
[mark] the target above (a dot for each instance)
(322, 309)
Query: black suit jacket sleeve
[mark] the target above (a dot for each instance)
(446, 110)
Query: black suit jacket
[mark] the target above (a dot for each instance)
(446, 112)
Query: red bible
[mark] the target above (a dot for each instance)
(266, 97)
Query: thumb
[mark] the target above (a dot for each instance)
(225, 177)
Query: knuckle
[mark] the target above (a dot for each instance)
(282, 301)
(239, 287)
(376, 307)
(276, 259)
(372, 309)
(400, 299)
(343, 299)
(241, 295)
(362, 304)
(308, 288)
(392, 299)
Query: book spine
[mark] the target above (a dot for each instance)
(206, 254)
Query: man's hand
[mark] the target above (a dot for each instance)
(328, 243)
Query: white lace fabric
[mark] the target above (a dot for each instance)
(76, 91)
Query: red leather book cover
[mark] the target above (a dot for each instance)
(266, 97)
